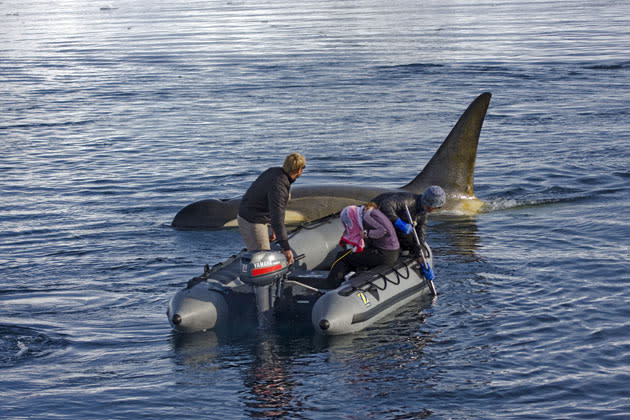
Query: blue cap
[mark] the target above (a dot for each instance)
(434, 197)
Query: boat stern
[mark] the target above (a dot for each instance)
(197, 309)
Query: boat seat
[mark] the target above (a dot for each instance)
(310, 274)
(318, 278)
(358, 280)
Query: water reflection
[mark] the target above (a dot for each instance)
(270, 381)
(264, 357)
(269, 373)
(459, 234)
(195, 350)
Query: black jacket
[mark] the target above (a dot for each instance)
(266, 200)
(392, 204)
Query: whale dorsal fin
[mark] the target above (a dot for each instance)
(452, 167)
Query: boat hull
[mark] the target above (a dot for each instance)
(367, 298)
(212, 303)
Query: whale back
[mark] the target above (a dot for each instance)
(452, 167)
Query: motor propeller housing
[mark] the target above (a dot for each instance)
(263, 270)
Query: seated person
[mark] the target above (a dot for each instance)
(393, 206)
(372, 239)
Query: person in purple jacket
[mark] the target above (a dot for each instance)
(382, 247)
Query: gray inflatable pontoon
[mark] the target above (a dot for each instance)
(260, 286)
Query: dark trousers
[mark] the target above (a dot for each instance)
(406, 241)
(370, 257)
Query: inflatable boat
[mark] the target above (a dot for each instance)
(260, 287)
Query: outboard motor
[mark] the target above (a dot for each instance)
(264, 270)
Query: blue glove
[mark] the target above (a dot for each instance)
(403, 227)
(427, 271)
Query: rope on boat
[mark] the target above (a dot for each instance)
(386, 280)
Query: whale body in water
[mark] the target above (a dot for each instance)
(451, 167)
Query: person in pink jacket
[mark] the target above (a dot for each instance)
(381, 245)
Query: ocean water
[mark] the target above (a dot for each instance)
(116, 114)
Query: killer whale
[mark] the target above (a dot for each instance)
(451, 167)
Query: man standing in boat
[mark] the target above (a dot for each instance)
(394, 206)
(265, 203)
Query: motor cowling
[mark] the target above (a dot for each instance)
(263, 268)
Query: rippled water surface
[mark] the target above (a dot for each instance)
(117, 114)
